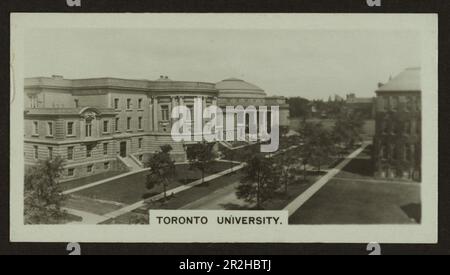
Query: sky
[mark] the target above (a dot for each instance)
(308, 63)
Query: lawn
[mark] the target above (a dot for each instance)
(87, 180)
(201, 192)
(131, 189)
(180, 199)
(355, 197)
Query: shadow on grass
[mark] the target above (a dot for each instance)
(360, 166)
(233, 206)
(414, 211)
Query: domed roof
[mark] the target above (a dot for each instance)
(237, 88)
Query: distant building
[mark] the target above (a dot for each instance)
(397, 142)
(361, 105)
(104, 124)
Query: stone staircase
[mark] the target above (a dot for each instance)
(130, 163)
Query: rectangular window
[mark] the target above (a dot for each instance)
(393, 152)
(89, 151)
(409, 104)
(106, 165)
(50, 129)
(117, 124)
(385, 103)
(70, 128)
(105, 126)
(165, 112)
(129, 123)
(408, 127)
(140, 141)
(70, 172)
(70, 153)
(90, 168)
(35, 128)
(395, 103)
(88, 129)
(407, 152)
(36, 152)
(50, 152)
(140, 103)
(116, 103)
(140, 123)
(129, 103)
(105, 148)
(386, 127)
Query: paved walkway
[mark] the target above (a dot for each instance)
(88, 218)
(379, 181)
(305, 196)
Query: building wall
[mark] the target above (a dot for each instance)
(397, 142)
(60, 95)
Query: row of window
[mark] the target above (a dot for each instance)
(129, 120)
(405, 128)
(392, 103)
(165, 115)
(70, 130)
(89, 169)
(129, 103)
(89, 149)
(394, 153)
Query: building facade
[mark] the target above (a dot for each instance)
(364, 107)
(397, 142)
(109, 124)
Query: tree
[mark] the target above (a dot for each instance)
(201, 156)
(286, 170)
(298, 107)
(260, 181)
(318, 145)
(348, 129)
(43, 198)
(162, 168)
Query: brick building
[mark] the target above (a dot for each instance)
(397, 143)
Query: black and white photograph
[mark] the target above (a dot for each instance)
(323, 127)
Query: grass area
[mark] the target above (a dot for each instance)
(88, 180)
(132, 188)
(178, 200)
(90, 205)
(355, 197)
